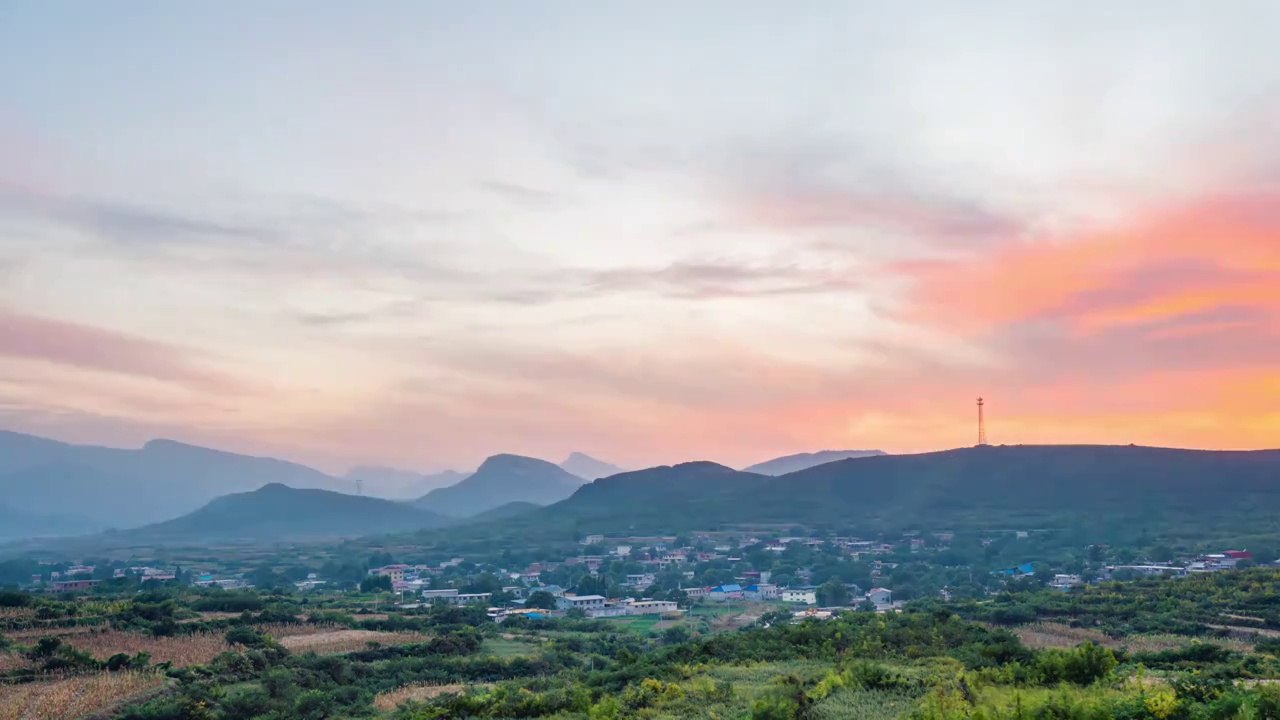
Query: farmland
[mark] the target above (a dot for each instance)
(75, 696)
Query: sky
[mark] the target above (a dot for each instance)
(420, 233)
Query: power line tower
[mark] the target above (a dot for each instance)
(982, 424)
(359, 486)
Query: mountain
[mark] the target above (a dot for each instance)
(804, 461)
(130, 487)
(396, 484)
(1122, 488)
(15, 525)
(587, 467)
(499, 480)
(505, 511)
(276, 512)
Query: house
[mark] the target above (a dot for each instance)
(592, 540)
(1065, 582)
(640, 580)
(1144, 570)
(555, 590)
(762, 592)
(80, 570)
(721, 593)
(608, 610)
(651, 607)
(395, 572)
(622, 550)
(806, 594)
(579, 602)
(72, 585)
(515, 591)
(880, 597)
(451, 596)
(696, 593)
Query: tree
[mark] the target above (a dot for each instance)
(376, 583)
(541, 599)
(832, 593)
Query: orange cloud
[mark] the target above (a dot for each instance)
(1204, 256)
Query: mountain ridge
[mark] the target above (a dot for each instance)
(499, 480)
(803, 461)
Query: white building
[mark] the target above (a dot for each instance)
(592, 540)
(762, 592)
(696, 593)
(880, 596)
(579, 602)
(651, 607)
(805, 595)
(452, 597)
(608, 610)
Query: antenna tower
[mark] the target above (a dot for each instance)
(359, 486)
(982, 424)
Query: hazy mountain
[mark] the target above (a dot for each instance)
(502, 479)
(507, 510)
(1111, 489)
(276, 511)
(587, 467)
(399, 484)
(804, 461)
(15, 525)
(126, 488)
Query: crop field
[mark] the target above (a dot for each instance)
(395, 698)
(337, 642)
(74, 697)
(1059, 635)
(182, 651)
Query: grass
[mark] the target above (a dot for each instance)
(1059, 635)
(74, 697)
(505, 647)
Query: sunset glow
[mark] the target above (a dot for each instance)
(342, 239)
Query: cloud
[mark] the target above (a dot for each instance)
(83, 346)
(522, 194)
(711, 280)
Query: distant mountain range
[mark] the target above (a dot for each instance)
(1020, 486)
(15, 525)
(587, 467)
(396, 484)
(278, 512)
(500, 480)
(804, 461)
(126, 488)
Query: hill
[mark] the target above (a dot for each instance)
(275, 512)
(804, 461)
(509, 510)
(46, 477)
(1123, 489)
(396, 484)
(15, 525)
(499, 480)
(587, 467)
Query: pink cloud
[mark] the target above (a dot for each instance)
(84, 346)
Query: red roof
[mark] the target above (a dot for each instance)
(1238, 554)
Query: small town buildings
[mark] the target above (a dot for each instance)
(592, 540)
(608, 610)
(651, 607)
(579, 602)
(395, 572)
(722, 593)
(72, 585)
(696, 593)
(762, 592)
(880, 597)
(805, 594)
(452, 597)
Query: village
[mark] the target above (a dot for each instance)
(637, 576)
